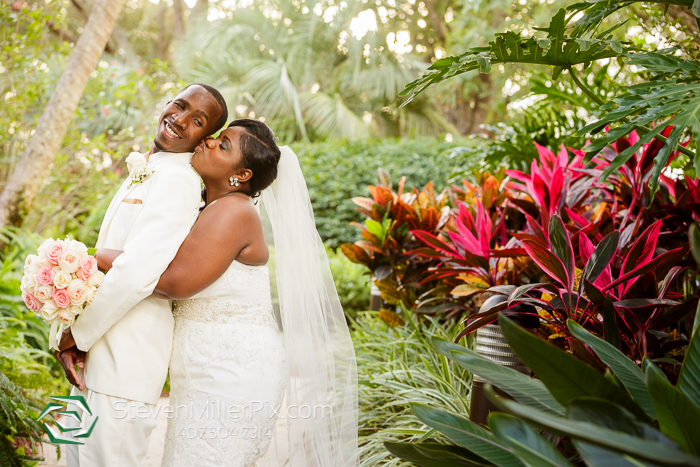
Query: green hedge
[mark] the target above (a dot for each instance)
(336, 172)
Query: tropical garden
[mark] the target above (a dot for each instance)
(528, 168)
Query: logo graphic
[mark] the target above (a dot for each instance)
(76, 431)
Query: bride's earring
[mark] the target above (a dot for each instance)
(234, 181)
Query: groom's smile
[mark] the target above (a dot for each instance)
(187, 120)
(170, 131)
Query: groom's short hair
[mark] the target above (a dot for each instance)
(220, 99)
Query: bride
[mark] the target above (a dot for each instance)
(231, 365)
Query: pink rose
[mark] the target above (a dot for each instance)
(69, 261)
(88, 267)
(61, 297)
(45, 275)
(55, 250)
(32, 302)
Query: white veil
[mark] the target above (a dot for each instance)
(322, 386)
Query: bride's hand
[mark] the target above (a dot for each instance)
(105, 257)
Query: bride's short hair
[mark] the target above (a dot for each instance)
(260, 153)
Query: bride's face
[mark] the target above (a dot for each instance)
(219, 158)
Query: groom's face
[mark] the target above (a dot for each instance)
(187, 120)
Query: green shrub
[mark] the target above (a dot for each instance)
(351, 281)
(335, 172)
(398, 366)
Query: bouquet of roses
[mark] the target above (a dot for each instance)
(59, 281)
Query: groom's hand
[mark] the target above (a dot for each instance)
(69, 358)
(67, 340)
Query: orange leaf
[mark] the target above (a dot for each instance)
(430, 218)
(370, 237)
(369, 247)
(363, 202)
(355, 254)
(381, 195)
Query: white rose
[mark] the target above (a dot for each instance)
(32, 264)
(136, 163)
(69, 261)
(77, 290)
(43, 293)
(28, 282)
(75, 310)
(44, 261)
(65, 316)
(44, 246)
(49, 311)
(62, 279)
(78, 247)
(96, 279)
(90, 295)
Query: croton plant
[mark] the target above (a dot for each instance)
(612, 256)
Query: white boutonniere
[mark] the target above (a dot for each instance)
(139, 168)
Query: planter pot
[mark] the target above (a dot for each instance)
(491, 344)
(375, 300)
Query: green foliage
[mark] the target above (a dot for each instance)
(596, 12)
(351, 282)
(310, 80)
(601, 428)
(556, 50)
(526, 390)
(114, 117)
(629, 374)
(335, 172)
(671, 100)
(511, 145)
(29, 61)
(397, 367)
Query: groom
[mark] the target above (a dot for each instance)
(127, 334)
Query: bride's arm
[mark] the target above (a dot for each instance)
(224, 230)
(105, 257)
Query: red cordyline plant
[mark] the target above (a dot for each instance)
(625, 283)
(616, 295)
(470, 255)
(473, 252)
(631, 196)
(548, 182)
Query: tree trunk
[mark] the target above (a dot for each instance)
(178, 20)
(19, 193)
(118, 44)
(200, 11)
(164, 32)
(684, 16)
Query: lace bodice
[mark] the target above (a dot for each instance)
(227, 352)
(240, 283)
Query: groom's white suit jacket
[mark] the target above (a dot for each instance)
(127, 334)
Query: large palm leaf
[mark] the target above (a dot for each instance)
(302, 82)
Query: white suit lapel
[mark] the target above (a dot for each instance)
(112, 210)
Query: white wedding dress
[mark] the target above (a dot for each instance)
(227, 373)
